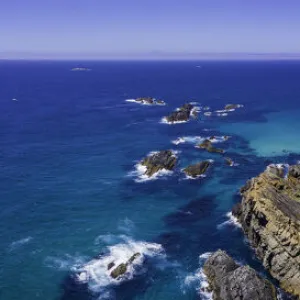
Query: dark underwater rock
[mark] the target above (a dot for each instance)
(270, 217)
(207, 145)
(197, 169)
(165, 159)
(229, 281)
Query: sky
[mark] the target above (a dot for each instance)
(148, 29)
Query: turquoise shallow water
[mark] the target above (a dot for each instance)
(70, 143)
(276, 136)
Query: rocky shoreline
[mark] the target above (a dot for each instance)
(269, 214)
(229, 281)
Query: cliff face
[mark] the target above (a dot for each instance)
(270, 216)
(229, 281)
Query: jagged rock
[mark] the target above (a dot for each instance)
(207, 145)
(146, 100)
(133, 258)
(181, 115)
(122, 268)
(197, 169)
(110, 265)
(119, 271)
(229, 161)
(160, 102)
(270, 217)
(231, 106)
(229, 281)
(161, 160)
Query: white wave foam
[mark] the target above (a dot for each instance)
(188, 139)
(218, 139)
(146, 103)
(96, 274)
(194, 178)
(17, 244)
(232, 221)
(285, 168)
(224, 110)
(208, 113)
(140, 175)
(164, 121)
(222, 114)
(198, 139)
(199, 279)
(140, 171)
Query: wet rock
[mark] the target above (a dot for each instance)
(181, 115)
(119, 271)
(198, 169)
(133, 258)
(270, 217)
(122, 268)
(207, 145)
(146, 100)
(160, 102)
(165, 159)
(229, 281)
(232, 106)
(229, 161)
(110, 265)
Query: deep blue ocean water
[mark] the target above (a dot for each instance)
(69, 144)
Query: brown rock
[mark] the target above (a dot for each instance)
(270, 216)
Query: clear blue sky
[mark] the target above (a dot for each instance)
(91, 28)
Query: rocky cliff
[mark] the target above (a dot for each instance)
(270, 216)
(229, 281)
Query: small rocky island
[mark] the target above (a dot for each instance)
(182, 114)
(207, 145)
(121, 269)
(229, 161)
(149, 101)
(198, 169)
(229, 281)
(157, 161)
(232, 106)
(270, 217)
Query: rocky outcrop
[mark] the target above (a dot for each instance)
(207, 145)
(198, 169)
(146, 100)
(229, 281)
(165, 159)
(149, 101)
(121, 269)
(228, 161)
(270, 216)
(160, 102)
(232, 106)
(181, 115)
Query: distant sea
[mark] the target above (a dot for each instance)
(69, 193)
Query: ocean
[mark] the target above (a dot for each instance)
(71, 197)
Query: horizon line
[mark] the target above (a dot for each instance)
(153, 55)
